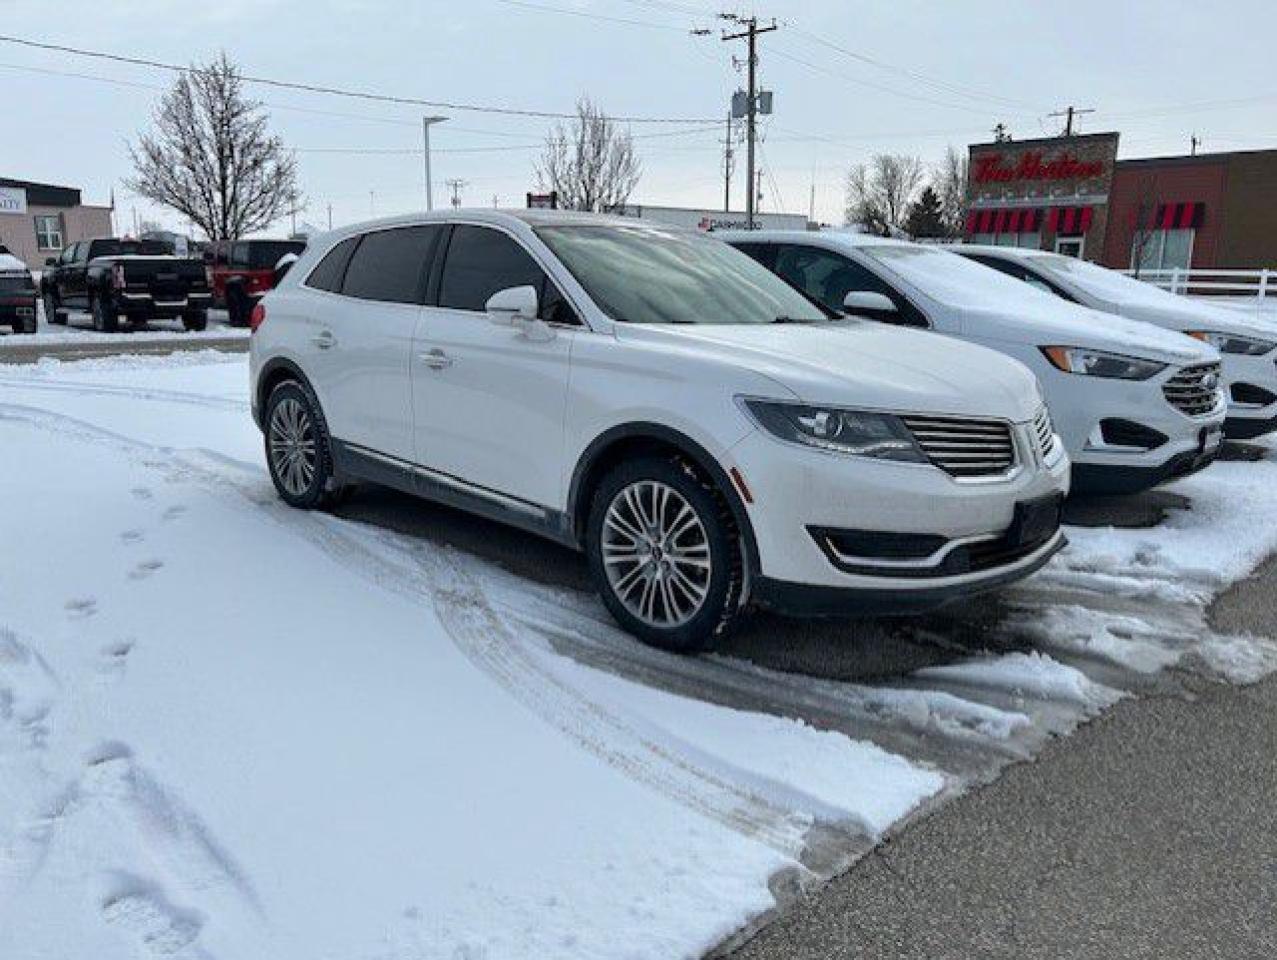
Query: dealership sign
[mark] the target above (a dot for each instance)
(996, 168)
(13, 200)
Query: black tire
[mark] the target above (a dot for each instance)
(52, 314)
(721, 605)
(238, 307)
(195, 320)
(322, 489)
(25, 326)
(105, 319)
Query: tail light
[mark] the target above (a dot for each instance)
(256, 318)
(117, 276)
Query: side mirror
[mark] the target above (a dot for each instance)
(513, 304)
(50, 261)
(517, 307)
(868, 302)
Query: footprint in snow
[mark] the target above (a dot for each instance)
(81, 607)
(132, 536)
(145, 569)
(173, 512)
(143, 911)
(114, 657)
(142, 493)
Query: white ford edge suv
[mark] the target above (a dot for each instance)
(1134, 404)
(1249, 347)
(702, 431)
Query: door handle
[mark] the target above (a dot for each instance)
(435, 359)
(324, 339)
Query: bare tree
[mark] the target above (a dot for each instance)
(1146, 229)
(591, 164)
(211, 157)
(879, 193)
(951, 185)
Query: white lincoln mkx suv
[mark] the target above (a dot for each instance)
(702, 431)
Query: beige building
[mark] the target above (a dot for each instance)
(38, 220)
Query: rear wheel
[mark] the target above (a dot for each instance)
(52, 314)
(238, 307)
(26, 325)
(195, 320)
(105, 319)
(298, 448)
(665, 555)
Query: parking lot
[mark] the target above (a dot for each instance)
(794, 750)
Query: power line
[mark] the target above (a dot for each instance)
(564, 11)
(337, 91)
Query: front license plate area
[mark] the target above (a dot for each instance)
(1035, 520)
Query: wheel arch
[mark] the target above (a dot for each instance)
(629, 440)
(273, 373)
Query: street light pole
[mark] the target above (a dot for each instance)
(425, 136)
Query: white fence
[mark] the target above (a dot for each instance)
(1259, 284)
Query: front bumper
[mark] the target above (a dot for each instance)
(800, 495)
(1095, 416)
(802, 599)
(1245, 377)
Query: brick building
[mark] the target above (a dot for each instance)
(38, 220)
(1072, 195)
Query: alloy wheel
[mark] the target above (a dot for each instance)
(656, 554)
(293, 449)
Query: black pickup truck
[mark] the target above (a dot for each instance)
(136, 280)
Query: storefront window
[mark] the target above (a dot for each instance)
(1032, 241)
(1163, 250)
(48, 232)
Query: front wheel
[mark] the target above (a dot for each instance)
(298, 449)
(665, 555)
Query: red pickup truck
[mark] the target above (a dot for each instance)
(243, 272)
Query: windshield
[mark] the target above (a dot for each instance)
(950, 278)
(643, 275)
(1099, 281)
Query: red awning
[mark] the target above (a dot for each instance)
(1180, 216)
(1070, 220)
(1004, 221)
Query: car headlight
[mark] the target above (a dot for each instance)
(854, 432)
(1097, 363)
(1231, 343)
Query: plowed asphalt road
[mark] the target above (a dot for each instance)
(1149, 833)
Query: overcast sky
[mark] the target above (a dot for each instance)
(943, 72)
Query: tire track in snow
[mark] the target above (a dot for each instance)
(481, 635)
(77, 388)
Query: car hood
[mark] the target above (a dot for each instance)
(1179, 314)
(1048, 321)
(864, 364)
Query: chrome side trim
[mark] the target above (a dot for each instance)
(920, 564)
(455, 483)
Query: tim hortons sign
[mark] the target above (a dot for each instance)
(996, 168)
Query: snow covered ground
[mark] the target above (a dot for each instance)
(230, 729)
(79, 329)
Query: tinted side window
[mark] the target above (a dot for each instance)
(332, 269)
(482, 261)
(762, 252)
(828, 277)
(239, 256)
(391, 265)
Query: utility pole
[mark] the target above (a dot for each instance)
(1070, 114)
(426, 123)
(727, 166)
(455, 186)
(330, 216)
(1194, 142)
(750, 35)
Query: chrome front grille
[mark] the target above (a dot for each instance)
(1044, 431)
(1194, 390)
(963, 447)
